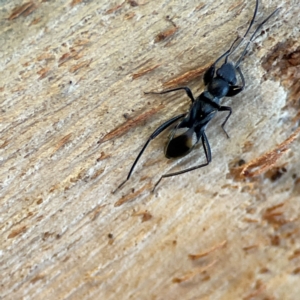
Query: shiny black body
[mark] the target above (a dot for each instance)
(190, 128)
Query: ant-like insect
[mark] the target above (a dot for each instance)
(220, 83)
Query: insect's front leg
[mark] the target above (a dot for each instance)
(187, 90)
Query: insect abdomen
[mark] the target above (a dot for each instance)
(178, 146)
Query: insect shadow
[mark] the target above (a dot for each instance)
(191, 126)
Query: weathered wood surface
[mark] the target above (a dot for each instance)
(73, 118)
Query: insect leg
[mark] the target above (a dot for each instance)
(207, 151)
(187, 90)
(225, 108)
(219, 108)
(157, 131)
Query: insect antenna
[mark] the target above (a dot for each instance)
(253, 36)
(243, 37)
(232, 48)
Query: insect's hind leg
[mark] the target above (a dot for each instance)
(207, 151)
(157, 131)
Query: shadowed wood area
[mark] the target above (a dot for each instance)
(74, 117)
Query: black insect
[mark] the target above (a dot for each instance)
(191, 127)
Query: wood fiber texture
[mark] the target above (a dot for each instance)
(74, 117)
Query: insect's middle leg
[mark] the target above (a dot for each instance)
(225, 108)
(219, 108)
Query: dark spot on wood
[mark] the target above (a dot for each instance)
(37, 278)
(125, 127)
(39, 201)
(296, 271)
(103, 156)
(75, 2)
(275, 240)
(114, 9)
(241, 162)
(146, 216)
(133, 3)
(132, 196)
(275, 173)
(23, 10)
(283, 64)
(165, 34)
(17, 232)
(144, 71)
(265, 162)
(186, 77)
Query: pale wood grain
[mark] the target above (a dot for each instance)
(73, 118)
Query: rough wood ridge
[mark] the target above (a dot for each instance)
(73, 118)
